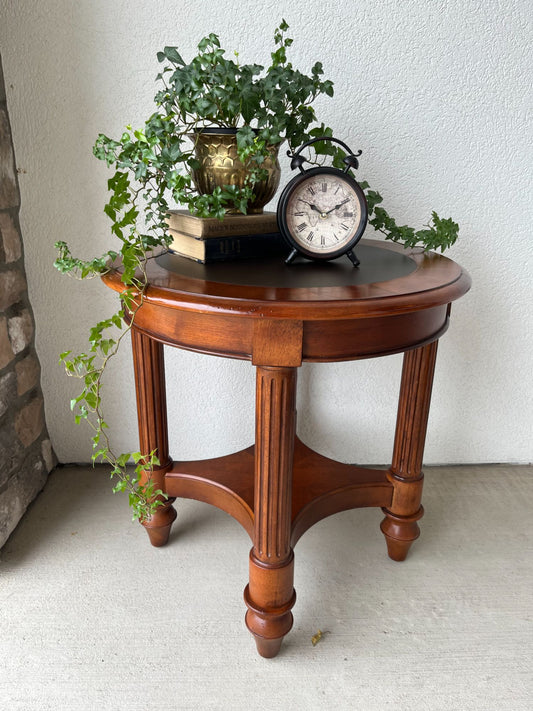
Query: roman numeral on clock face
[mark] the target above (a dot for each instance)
(302, 226)
(310, 236)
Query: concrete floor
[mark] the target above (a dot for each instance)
(93, 618)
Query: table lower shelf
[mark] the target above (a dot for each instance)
(321, 486)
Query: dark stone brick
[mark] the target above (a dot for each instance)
(6, 351)
(12, 288)
(9, 193)
(22, 489)
(12, 453)
(8, 392)
(27, 371)
(10, 238)
(29, 422)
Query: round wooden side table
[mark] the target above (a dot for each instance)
(277, 316)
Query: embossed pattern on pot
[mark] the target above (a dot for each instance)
(220, 165)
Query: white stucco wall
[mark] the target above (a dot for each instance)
(438, 96)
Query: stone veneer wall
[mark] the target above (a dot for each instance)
(26, 455)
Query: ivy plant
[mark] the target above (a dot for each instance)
(152, 172)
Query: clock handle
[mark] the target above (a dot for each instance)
(350, 160)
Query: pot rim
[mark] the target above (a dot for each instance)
(216, 129)
(225, 130)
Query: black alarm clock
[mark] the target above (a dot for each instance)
(322, 212)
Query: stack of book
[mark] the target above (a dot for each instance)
(208, 239)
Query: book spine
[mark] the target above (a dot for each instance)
(241, 247)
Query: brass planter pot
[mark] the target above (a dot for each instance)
(216, 150)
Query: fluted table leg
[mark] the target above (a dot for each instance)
(149, 368)
(400, 525)
(270, 594)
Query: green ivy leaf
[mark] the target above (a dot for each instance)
(172, 54)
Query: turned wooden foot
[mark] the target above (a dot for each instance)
(159, 524)
(400, 532)
(269, 597)
(268, 648)
(400, 525)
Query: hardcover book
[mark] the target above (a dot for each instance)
(231, 225)
(219, 249)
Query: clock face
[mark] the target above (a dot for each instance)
(323, 212)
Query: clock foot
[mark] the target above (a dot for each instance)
(291, 256)
(353, 259)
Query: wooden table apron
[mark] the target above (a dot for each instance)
(276, 317)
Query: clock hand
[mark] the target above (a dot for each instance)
(313, 207)
(335, 208)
